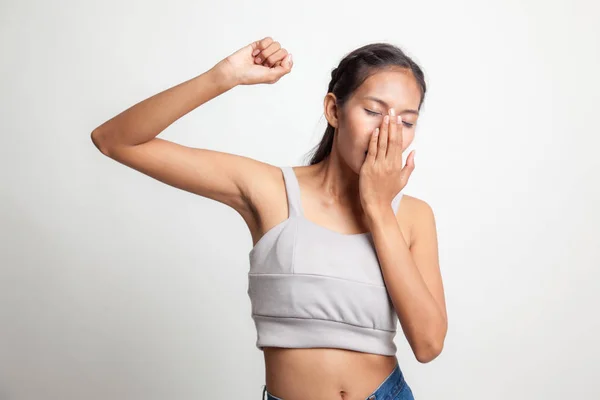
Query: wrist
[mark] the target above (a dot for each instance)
(224, 75)
(375, 212)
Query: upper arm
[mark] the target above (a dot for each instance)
(424, 249)
(224, 177)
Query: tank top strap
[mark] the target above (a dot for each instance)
(396, 201)
(293, 191)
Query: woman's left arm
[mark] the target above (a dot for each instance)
(412, 277)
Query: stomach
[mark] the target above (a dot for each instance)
(324, 373)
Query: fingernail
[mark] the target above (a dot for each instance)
(392, 112)
(258, 60)
(386, 119)
(399, 119)
(255, 52)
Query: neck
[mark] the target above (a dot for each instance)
(339, 183)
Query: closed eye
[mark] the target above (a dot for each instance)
(407, 124)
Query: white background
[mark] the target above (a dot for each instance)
(116, 286)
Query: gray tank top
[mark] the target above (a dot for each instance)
(310, 286)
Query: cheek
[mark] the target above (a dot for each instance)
(359, 129)
(367, 127)
(371, 124)
(407, 138)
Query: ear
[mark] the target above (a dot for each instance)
(331, 109)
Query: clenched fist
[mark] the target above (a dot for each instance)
(263, 61)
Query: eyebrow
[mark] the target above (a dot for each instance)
(377, 100)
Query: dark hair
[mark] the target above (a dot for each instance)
(352, 71)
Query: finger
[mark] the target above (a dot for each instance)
(397, 156)
(400, 129)
(372, 150)
(275, 57)
(409, 167)
(392, 135)
(266, 53)
(283, 68)
(260, 45)
(383, 138)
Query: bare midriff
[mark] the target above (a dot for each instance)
(324, 373)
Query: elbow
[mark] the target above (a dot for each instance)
(99, 143)
(431, 345)
(428, 351)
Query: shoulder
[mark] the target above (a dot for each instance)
(416, 207)
(417, 215)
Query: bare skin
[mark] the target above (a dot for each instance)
(329, 193)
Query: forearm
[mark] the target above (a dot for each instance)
(146, 119)
(420, 316)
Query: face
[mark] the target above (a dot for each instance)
(365, 109)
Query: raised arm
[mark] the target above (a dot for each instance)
(130, 137)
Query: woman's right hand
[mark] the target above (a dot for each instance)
(263, 61)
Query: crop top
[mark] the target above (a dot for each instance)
(310, 286)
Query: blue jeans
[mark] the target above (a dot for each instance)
(394, 387)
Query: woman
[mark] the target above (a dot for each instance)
(340, 254)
